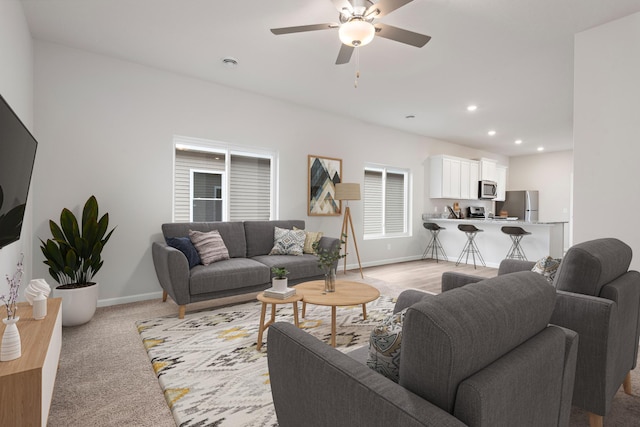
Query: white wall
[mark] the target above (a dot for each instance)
(16, 87)
(106, 127)
(550, 174)
(606, 133)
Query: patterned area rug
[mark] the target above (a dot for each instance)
(208, 366)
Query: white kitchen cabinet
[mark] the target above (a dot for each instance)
(469, 179)
(488, 170)
(501, 180)
(445, 177)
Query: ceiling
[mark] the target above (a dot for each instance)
(513, 59)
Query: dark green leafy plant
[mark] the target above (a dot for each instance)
(279, 272)
(74, 254)
(327, 257)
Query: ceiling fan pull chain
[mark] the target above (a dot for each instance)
(355, 84)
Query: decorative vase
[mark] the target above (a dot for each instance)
(330, 281)
(10, 348)
(279, 285)
(78, 305)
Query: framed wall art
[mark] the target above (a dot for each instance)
(324, 174)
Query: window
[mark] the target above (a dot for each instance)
(215, 182)
(385, 202)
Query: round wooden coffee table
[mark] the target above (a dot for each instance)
(274, 301)
(347, 293)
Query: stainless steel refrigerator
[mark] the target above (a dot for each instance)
(523, 204)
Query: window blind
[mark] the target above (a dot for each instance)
(373, 202)
(250, 188)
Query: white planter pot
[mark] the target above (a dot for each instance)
(279, 285)
(78, 305)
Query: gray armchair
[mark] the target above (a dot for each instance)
(599, 299)
(483, 355)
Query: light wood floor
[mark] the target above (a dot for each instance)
(423, 274)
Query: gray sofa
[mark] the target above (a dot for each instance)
(599, 298)
(247, 270)
(482, 355)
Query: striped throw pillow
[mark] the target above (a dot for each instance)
(209, 245)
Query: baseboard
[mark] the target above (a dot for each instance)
(128, 299)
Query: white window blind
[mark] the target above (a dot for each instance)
(385, 202)
(250, 188)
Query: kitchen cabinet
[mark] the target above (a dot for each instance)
(445, 177)
(469, 179)
(488, 170)
(501, 180)
(453, 178)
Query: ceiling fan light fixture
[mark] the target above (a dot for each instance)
(356, 32)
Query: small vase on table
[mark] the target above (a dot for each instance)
(330, 281)
(10, 348)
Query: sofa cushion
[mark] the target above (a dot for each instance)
(184, 245)
(210, 246)
(228, 274)
(547, 267)
(232, 234)
(287, 242)
(310, 238)
(588, 266)
(471, 326)
(299, 267)
(259, 235)
(385, 344)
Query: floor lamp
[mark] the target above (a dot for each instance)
(348, 192)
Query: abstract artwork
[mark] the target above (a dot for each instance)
(324, 174)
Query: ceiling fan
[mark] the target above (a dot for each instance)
(359, 24)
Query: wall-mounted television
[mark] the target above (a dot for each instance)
(17, 156)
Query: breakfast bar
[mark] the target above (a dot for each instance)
(546, 238)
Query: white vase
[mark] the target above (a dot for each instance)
(10, 348)
(279, 285)
(78, 305)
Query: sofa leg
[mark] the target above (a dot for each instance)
(181, 310)
(164, 296)
(626, 384)
(595, 420)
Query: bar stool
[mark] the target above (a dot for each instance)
(470, 247)
(516, 234)
(434, 245)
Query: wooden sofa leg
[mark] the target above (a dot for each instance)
(164, 296)
(626, 384)
(181, 310)
(595, 420)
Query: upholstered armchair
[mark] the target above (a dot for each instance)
(482, 355)
(599, 298)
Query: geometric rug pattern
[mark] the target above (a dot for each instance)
(210, 371)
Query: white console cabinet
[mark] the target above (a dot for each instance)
(26, 383)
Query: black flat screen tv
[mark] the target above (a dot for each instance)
(17, 156)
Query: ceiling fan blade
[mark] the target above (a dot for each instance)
(344, 56)
(400, 35)
(303, 28)
(343, 4)
(385, 7)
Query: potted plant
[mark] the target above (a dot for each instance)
(74, 257)
(279, 281)
(327, 259)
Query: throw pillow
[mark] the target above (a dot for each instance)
(287, 242)
(184, 245)
(384, 346)
(310, 238)
(209, 245)
(548, 267)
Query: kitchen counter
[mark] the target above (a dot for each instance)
(546, 238)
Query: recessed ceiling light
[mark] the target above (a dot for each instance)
(491, 133)
(540, 148)
(518, 141)
(472, 107)
(230, 62)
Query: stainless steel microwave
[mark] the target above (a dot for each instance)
(487, 190)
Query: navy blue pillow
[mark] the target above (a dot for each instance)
(184, 245)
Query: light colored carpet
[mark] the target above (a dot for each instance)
(210, 371)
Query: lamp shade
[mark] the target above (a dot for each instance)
(347, 191)
(356, 32)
